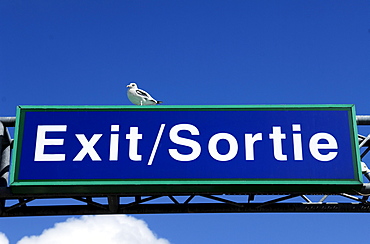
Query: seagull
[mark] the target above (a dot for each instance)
(140, 97)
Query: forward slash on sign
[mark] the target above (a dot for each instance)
(156, 143)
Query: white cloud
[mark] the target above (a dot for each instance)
(111, 229)
(3, 239)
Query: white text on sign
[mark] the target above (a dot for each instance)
(316, 143)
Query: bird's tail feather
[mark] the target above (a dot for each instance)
(159, 102)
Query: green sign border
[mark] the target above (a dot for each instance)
(186, 186)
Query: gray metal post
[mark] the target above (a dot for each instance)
(3, 182)
(363, 119)
(5, 144)
(8, 121)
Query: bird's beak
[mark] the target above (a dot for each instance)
(128, 86)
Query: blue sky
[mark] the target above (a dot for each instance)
(191, 53)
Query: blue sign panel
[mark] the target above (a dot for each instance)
(186, 145)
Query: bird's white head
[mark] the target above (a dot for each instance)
(132, 85)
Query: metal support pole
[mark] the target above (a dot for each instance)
(113, 203)
(363, 119)
(8, 121)
(365, 170)
(2, 181)
(2, 132)
(5, 144)
(4, 159)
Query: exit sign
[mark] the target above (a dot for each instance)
(182, 149)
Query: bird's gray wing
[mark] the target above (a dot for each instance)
(142, 93)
